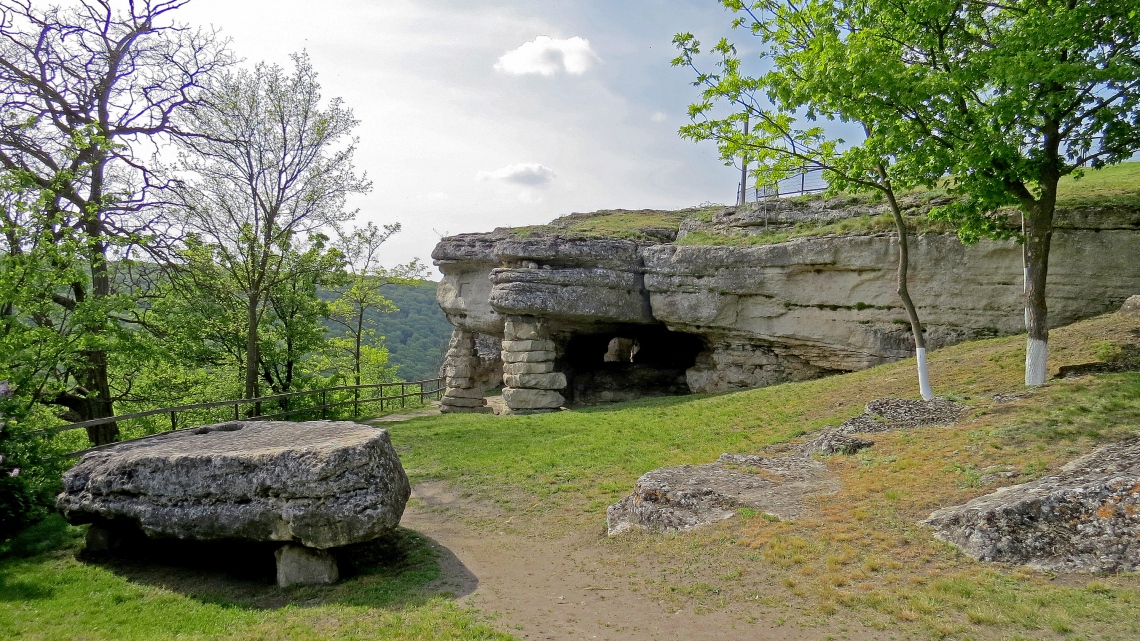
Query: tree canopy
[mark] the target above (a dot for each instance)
(995, 101)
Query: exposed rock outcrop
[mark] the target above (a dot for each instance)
(685, 497)
(763, 314)
(689, 496)
(1131, 307)
(321, 484)
(1084, 519)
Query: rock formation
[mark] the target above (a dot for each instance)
(688, 496)
(709, 317)
(314, 485)
(685, 497)
(1084, 519)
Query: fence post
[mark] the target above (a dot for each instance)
(402, 395)
(173, 421)
(237, 411)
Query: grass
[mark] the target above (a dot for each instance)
(645, 224)
(861, 554)
(1116, 185)
(52, 595)
(858, 225)
(858, 558)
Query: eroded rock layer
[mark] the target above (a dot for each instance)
(767, 313)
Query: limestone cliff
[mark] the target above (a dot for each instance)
(710, 317)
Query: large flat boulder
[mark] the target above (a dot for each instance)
(321, 484)
(1084, 519)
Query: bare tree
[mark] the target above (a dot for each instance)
(83, 89)
(268, 165)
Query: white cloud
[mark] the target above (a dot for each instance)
(434, 196)
(547, 56)
(527, 174)
(658, 116)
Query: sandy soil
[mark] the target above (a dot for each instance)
(569, 585)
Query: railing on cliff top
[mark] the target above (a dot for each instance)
(421, 390)
(807, 181)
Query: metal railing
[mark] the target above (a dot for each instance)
(807, 181)
(422, 390)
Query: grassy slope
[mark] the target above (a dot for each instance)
(1116, 185)
(645, 224)
(860, 557)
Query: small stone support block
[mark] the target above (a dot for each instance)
(529, 368)
(528, 346)
(527, 357)
(553, 380)
(522, 329)
(459, 401)
(100, 539)
(463, 392)
(299, 565)
(532, 399)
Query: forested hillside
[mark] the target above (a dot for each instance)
(416, 335)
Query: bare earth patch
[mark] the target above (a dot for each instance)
(569, 585)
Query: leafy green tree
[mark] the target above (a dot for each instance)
(295, 328)
(782, 149)
(269, 165)
(363, 297)
(83, 90)
(1002, 98)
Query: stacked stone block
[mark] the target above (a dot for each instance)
(462, 393)
(530, 383)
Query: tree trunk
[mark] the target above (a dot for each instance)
(1038, 232)
(252, 349)
(904, 292)
(94, 376)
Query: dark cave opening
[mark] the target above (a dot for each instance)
(627, 363)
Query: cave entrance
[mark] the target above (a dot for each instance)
(626, 363)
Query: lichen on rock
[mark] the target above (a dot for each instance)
(321, 484)
(1086, 518)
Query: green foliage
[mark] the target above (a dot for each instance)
(416, 333)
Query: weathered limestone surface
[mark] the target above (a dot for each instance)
(321, 484)
(465, 374)
(1131, 307)
(297, 564)
(689, 496)
(530, 382)
(1084, 519)
(795, 310)
(685, 497)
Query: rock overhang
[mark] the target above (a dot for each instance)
(767, 313)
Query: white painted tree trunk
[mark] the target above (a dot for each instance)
(1036, 359)
(923, 377)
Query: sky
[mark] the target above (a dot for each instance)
(482, 114)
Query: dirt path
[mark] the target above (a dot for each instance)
(563, 587)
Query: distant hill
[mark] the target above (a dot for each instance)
(417, 335)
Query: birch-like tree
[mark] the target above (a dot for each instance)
(777, 103)
(997, 100)
(270, 163)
